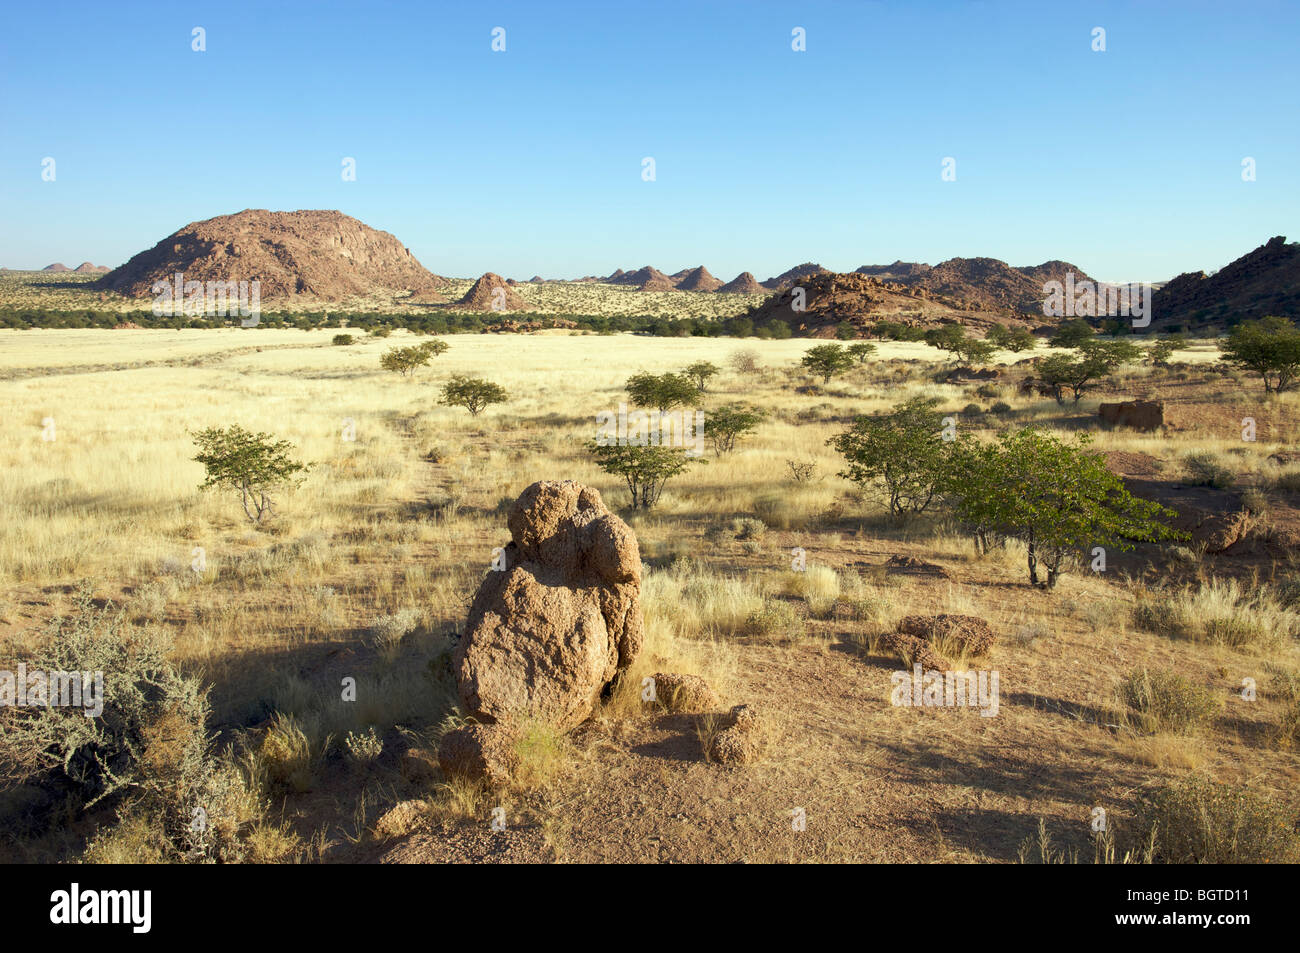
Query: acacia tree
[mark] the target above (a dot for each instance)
(827, 360)
(953, 339)
(1059, 498)
(700, 372)
(645, 470)
(662, 391)
(861, 350)
(472, 393)
(404, 360)
(901, 454)
(251, 464)
(724, 426)
(1072, 333)
(1269, 347)
(1093, 361)
(1010, 339)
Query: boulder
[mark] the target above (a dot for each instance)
(481, 752)
(741, 741)
(549, 633)
(973, 634)
(1138, 414)
(685, 693)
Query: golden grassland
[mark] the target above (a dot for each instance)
(368, 567)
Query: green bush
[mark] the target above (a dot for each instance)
(342, 340)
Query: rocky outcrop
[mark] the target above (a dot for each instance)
(492, 293)
(1137, 414)
(550, 632)
(322, 255)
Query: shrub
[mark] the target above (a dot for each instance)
(1219, 612)
(777, 620)
(663, 391)
(1001, 408)
(972, 410)
(387, 631)
(472, 393)
(145, 749)
(1166, 701)
(747, 527)
(745, 362)
(724, 426)
(342, 340)
(700, 374)
(1198, 821)
(1206, 469)
(900, 453)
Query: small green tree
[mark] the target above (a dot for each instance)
(953, 339)
(901, 454)
(845, 331)
(700, 373)
(1072, 333)
(1159, 352)
(1011, 339)
(251, 464)
(724, 426)
(434, 347)
(343, 340)
(645, 470)
(472, 393)
(1093, 361)
(1059, 498)
(1270, 347)
(404, 360)
(662, 391)
(827, 360)
(861, 350)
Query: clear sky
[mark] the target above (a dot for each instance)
(1126, 162)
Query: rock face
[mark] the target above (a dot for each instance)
(323, 255)
(547, 635)
(1262, 282)
(1138, 414)
(492, 293)
(484, 752)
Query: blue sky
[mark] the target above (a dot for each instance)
(1127, 162)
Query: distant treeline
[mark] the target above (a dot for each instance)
(448, 322)
(441, 322)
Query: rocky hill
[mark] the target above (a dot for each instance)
(794, 274)
(489, 290)
(322, 255)
(1263, 282)
(697, 279)
(743, 283)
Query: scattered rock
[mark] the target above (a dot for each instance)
(911, 566)
(741, 741)
(1137, 414)
(549, 633)
(973, 634)
(972, 374)
(482, 752)
(401, 819)
(684, 693)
